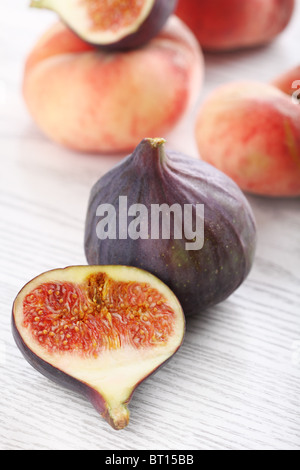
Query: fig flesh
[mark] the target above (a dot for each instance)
(98, 330)
(203, 263)
(112, 24)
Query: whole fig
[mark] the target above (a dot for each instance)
(177, 217)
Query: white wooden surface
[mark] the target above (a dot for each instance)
(235, 383)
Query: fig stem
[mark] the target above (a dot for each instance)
(118, 417)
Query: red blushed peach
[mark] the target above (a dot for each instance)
(222, 25)
(93, 101)
(251, 132)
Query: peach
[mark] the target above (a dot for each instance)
(101, 102)
(251, 132)
(222, 25)
(289, 82)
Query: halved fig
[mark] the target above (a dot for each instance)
(113, 24)
(98, 330)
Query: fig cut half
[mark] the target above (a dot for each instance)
(99, 331)
(112, 24)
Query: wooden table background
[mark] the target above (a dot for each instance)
(235, 383)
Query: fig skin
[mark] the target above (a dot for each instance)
(60, 371)
(147, 30)
(199, 279)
